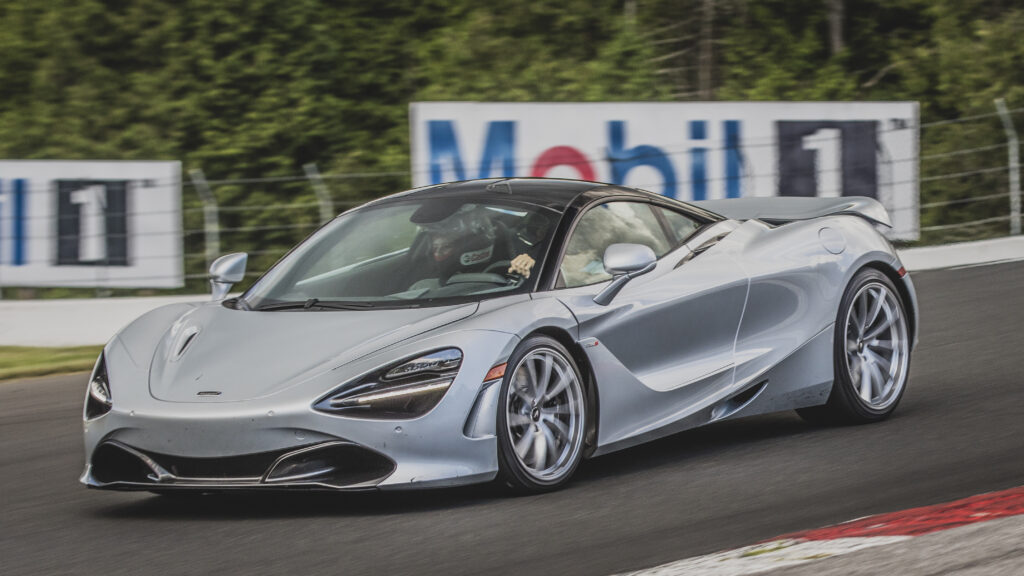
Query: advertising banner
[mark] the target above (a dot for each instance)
(90, 224)
(686, 150)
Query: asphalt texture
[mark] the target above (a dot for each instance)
(959, 431)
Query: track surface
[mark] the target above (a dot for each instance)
(958, 432)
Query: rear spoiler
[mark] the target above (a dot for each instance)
(779, 209)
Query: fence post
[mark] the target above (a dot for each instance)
(323, 195)
(2, 199)
(211, 220)
(1014, 164)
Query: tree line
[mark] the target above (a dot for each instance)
(243, 88)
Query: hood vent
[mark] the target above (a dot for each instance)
(183, 341)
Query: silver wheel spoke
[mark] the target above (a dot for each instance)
(522, 387)
(561, 429)
(523, 397)
(525, 442)
(879, 302)
(531, 378)
(877, 380)
(878, 360)
(550, 442)
(855, 367)
(861, 314)
(540, 451)
(560, 385)
(865, 383)
(544, 373)
(516, 419)
(879, 329)
(883, 344)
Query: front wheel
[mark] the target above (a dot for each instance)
(542, 417)
(872, 353)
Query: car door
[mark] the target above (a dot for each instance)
(663, 348)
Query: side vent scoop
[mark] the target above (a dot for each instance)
(737, 402)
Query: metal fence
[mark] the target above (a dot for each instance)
(969, 175)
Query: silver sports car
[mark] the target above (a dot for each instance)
(505, 329)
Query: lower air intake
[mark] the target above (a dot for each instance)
(337, 464)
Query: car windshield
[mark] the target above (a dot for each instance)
(410, 253)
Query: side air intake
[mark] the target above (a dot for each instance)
(734, 404)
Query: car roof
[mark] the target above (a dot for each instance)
(556, 194)
(553, 193)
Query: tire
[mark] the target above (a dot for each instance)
(540, 440)
(870, 378)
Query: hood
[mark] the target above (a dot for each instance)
(232, 355)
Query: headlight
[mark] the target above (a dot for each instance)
(439, 362)
(98, 400)
(400, 391)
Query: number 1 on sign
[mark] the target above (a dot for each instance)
(92, 235)
(827, 145)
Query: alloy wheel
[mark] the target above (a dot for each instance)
(544, 414)
(877, 347)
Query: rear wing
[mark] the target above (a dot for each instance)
(778, 209)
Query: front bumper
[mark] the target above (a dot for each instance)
(281, 442)
(329, 465)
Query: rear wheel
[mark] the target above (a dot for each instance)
(542, 417)
(872, 353)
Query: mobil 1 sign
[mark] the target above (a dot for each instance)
(90, 223)
(686, 150)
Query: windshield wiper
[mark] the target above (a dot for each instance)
(315, 303)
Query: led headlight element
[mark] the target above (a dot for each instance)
(435, 362)
(406, 390)
(98, 401)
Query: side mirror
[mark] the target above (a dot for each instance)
(624, 262)
(225, 272)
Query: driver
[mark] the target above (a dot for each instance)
(461, 243)
(528, 240)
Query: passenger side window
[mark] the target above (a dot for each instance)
(602, 226)
(683, 226)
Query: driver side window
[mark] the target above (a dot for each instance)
(602, 226)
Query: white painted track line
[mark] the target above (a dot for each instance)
(766, 556)
(963, 254)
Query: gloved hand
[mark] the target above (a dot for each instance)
(521, 265)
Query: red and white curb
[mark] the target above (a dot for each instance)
(802, 547)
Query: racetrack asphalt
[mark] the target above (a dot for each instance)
(959, 431)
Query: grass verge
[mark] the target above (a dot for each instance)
(26, 361)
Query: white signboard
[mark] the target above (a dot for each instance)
(90, 223)
(687, 150)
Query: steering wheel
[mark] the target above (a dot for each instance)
(494, 267)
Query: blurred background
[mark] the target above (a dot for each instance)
(282, 113)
